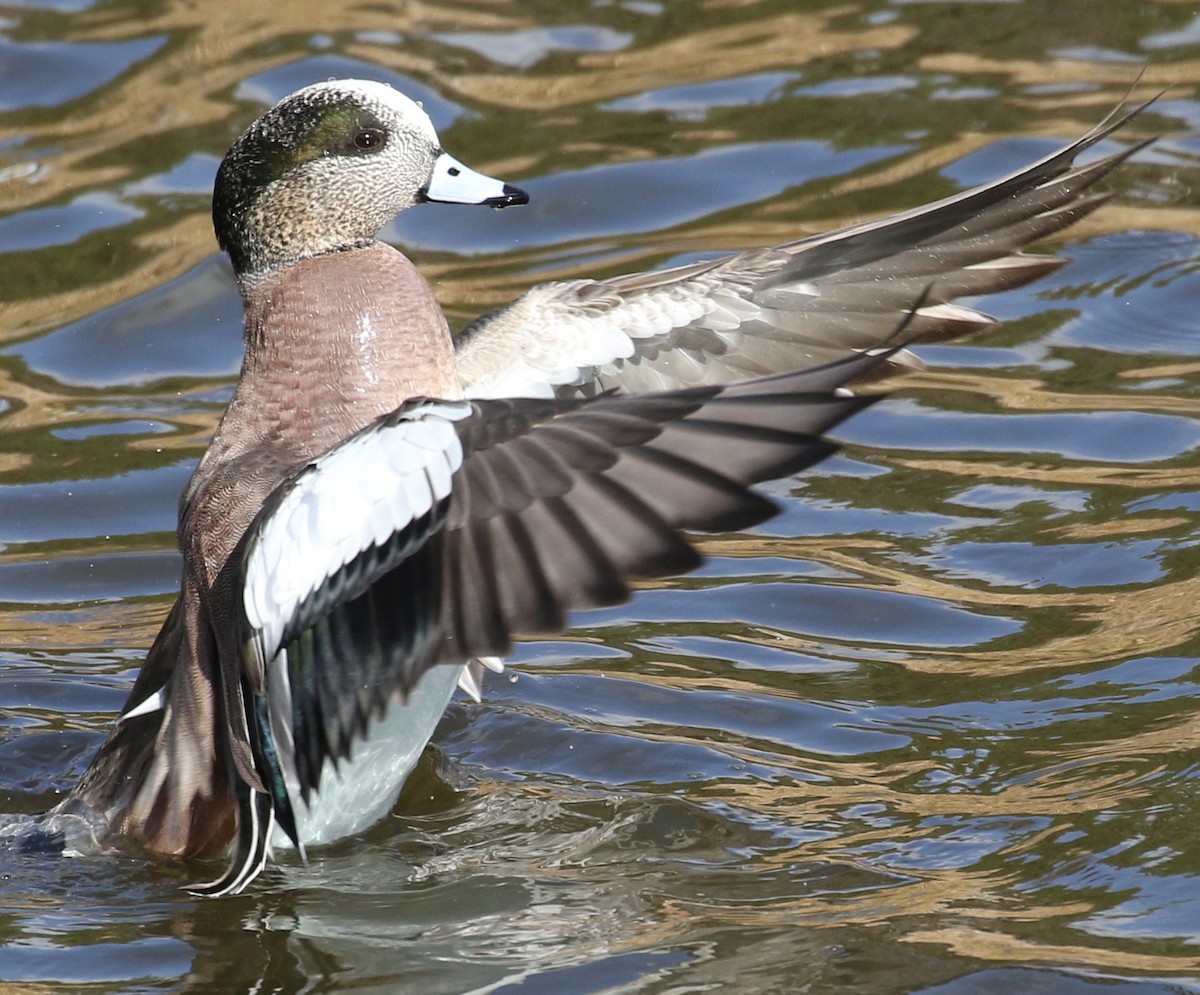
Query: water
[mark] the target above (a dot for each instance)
(934, 729)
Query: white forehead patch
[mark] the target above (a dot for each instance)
(386, 101)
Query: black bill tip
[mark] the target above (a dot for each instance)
(511, 197)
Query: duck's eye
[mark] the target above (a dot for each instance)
(369, 139)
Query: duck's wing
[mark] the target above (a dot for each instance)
(445, 530)
(792, 306)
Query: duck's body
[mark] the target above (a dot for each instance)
(349, 549)
(334, 342)
(374, 298)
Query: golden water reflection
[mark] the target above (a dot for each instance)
(536, 121)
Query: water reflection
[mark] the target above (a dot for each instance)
(937, 720)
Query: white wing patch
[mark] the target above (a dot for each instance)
(350, 499)
(561, 333)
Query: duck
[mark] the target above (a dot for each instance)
(385, 507)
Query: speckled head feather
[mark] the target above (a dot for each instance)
(323, 170)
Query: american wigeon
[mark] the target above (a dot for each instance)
(367, 529)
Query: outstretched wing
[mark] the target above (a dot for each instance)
(446, 529)
(792, 306)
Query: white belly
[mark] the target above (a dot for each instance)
(363, 789)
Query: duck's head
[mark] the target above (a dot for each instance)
(327, 167)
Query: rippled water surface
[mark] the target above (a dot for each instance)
(934, 729)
